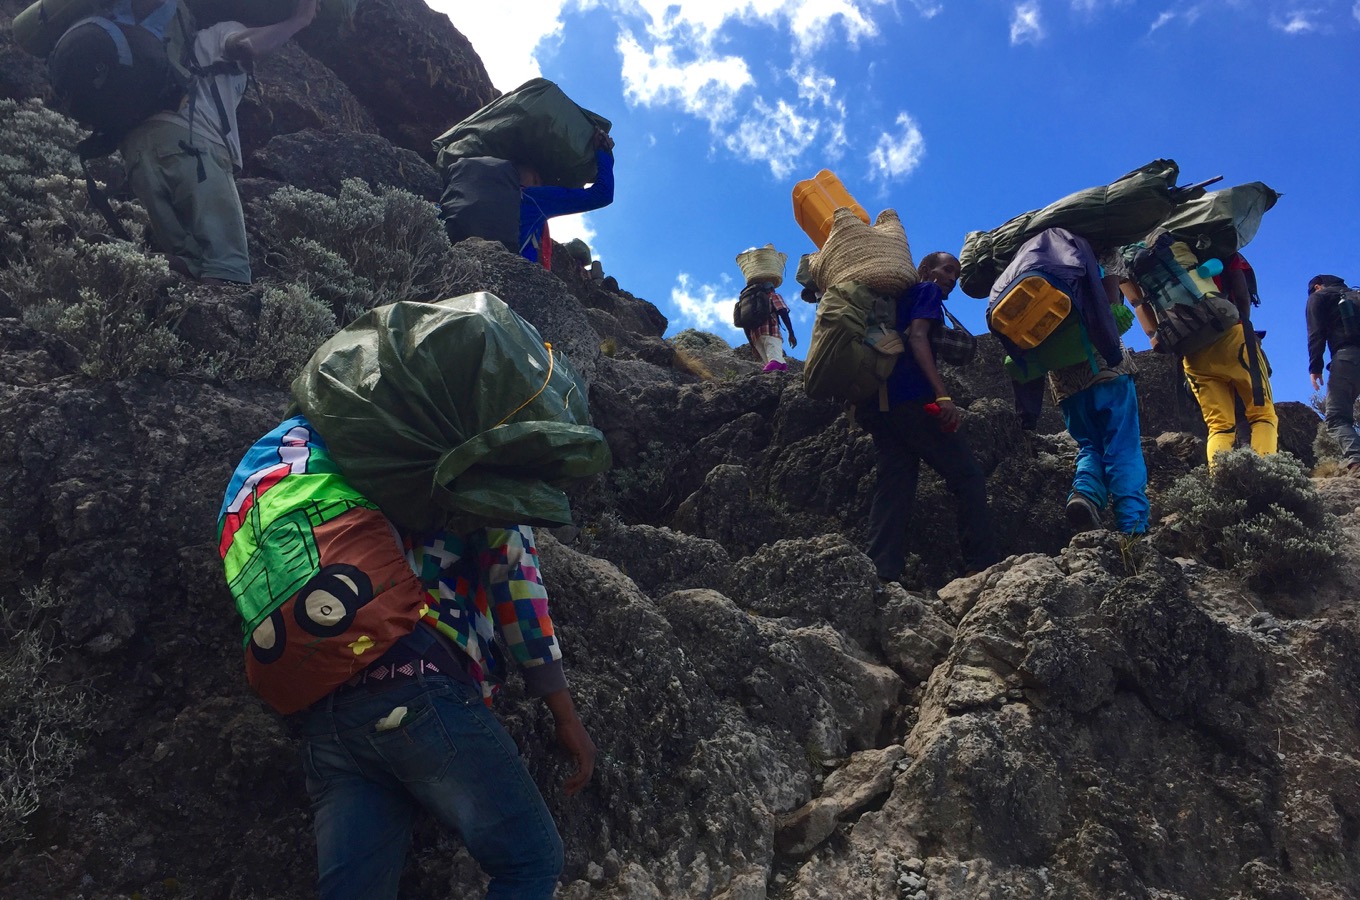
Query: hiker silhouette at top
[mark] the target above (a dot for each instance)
(540, 202)
(180, 163)
(909, 432)
(1330, 329)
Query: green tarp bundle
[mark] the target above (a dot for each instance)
(537, 124)
(452, 415)
(1220, 223)
(1113, 215)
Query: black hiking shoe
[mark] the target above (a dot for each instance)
(1083, 514)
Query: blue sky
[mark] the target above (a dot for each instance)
(958, 115)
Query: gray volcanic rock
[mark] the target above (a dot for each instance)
(321, 161)
(294, 92)
(1098, 732)
(411, 69)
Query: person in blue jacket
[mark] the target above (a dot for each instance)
(540, 202)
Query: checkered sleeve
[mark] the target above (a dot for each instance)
(519, 606)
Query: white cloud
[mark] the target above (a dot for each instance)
(1026, 24)
(1162, 21)
(812, 23)
(506, 35)
(720, 90)
(564, 228)
(1299, 21)
(705, 86)
(896, 156)
(707, 307)
(1355, 11)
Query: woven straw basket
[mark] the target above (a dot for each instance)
(877, 256)
(763, 264)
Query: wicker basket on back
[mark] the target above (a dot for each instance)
(877, 256)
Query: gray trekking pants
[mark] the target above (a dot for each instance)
(1343, 384)
(199, 221)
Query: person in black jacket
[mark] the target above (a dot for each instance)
(1326, 331)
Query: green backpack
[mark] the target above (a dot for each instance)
(1191, 312)
(855, 344)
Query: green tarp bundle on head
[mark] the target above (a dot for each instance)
(452, 415)
(537, 124)
(1220, 223)
(1113, 215)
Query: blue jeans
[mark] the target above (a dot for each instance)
(1103, 420)
(448, 755)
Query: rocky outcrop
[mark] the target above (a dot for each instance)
(320, 161)
(413, 71)
(1089, 718)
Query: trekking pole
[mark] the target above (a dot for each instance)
(1199, 186)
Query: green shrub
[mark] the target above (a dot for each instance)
(114, 304)
(42, 721)
(42, 189)
(1258, 515)
(360, 249)
(292, 325)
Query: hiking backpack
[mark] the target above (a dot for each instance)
(854, 346)
(753, 306)
(1190, 309)
(1348, 314)
(1047, 305)
(111, 72)
(1036, 312)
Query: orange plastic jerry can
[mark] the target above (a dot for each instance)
(815, 202)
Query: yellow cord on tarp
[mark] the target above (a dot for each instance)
(546, 379)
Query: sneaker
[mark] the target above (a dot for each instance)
(775, 365)
(1083, 514)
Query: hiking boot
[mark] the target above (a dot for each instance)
(774, 365)
(1083, 514)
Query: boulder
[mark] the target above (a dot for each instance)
(320, 161)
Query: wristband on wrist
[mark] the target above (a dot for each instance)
(938, 399)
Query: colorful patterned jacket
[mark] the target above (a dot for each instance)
(487, 583)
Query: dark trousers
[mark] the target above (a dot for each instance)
(903, 437)
(1343, 384)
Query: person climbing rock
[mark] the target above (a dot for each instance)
(540, 202)
(921, 423)
(1333, 313)
(1234, 368)
(412, 731)
(180, 164)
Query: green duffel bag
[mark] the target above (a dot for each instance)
(536, 124)
(452, 415)
(1220, 223)
(1109, 216)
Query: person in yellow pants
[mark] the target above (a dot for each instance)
(1223, 371)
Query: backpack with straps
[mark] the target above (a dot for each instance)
(111, 72)
(753, 306)
(1348, 314)
(1044, 304)
(854, 347)
(1191, 311)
